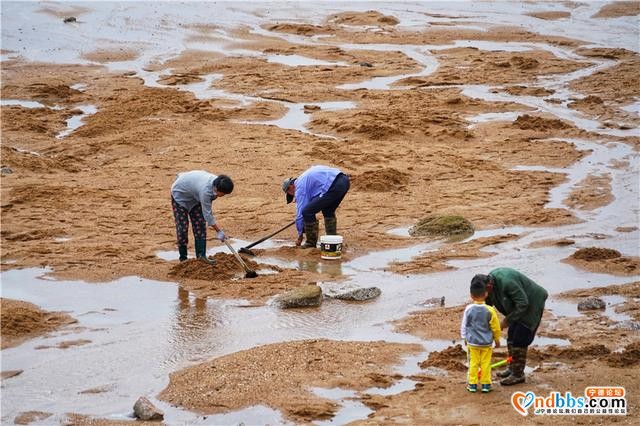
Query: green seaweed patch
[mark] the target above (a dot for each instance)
(452, 227)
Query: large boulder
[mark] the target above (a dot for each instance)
(301, 297)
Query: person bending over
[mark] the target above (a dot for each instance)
(192, 194)
(318, 189)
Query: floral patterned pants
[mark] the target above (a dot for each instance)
(198, 224)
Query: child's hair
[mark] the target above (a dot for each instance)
(477, 289)
(223, 183)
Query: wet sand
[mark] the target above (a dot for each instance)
(94, 205)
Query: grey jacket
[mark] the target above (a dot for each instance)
(194, 188)
(480, 325)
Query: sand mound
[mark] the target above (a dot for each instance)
(449, 359)
(374, 130)
(520, 90)
(569, 353)
(279, 375)
(225, 268)
(20, 320)
(605, 52)
(380, 180)
(589, 101)
(175, 79)
(524, 63)
(529, 122)
(370, 17)
(627, 358)
(300, 29)
(596, 253)
(442, 226)
(618, 9)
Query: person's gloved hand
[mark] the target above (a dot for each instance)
(220, 235)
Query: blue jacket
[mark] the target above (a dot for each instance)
(313, 183)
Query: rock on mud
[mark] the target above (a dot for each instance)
(442, 226)
(143, 409)
(359, 294)
(591, 304)
(301, 297)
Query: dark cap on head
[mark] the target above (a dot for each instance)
(223, 183)
(285, 186)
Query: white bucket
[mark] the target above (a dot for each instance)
(331, 246)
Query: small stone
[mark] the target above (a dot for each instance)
(143, 409)
(70, 19)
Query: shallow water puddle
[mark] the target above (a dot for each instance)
(417, 53)
(566, 308)
(22, 103)
(302, 61)
(296, 118)
(141, 330)
(350, 406)
(77, 120)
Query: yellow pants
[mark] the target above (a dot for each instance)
(479, 357)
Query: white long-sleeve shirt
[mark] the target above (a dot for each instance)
(193, 188)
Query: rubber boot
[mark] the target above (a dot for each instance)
(182, 250)
(517, 367)
(311, 231)
(506, 373)
(201, 251)
(331, 225)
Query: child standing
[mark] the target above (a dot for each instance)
(480, 327)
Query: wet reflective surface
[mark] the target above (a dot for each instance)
(141, 330)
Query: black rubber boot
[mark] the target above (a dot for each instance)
(311, 231)
(331, 226)
(517, 367)
(506, 373)
(182, 250)
(201, 251)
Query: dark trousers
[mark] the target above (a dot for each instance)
(520, 336)
(182, 216)
(329, 202)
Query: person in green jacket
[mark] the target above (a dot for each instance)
(521, 301)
